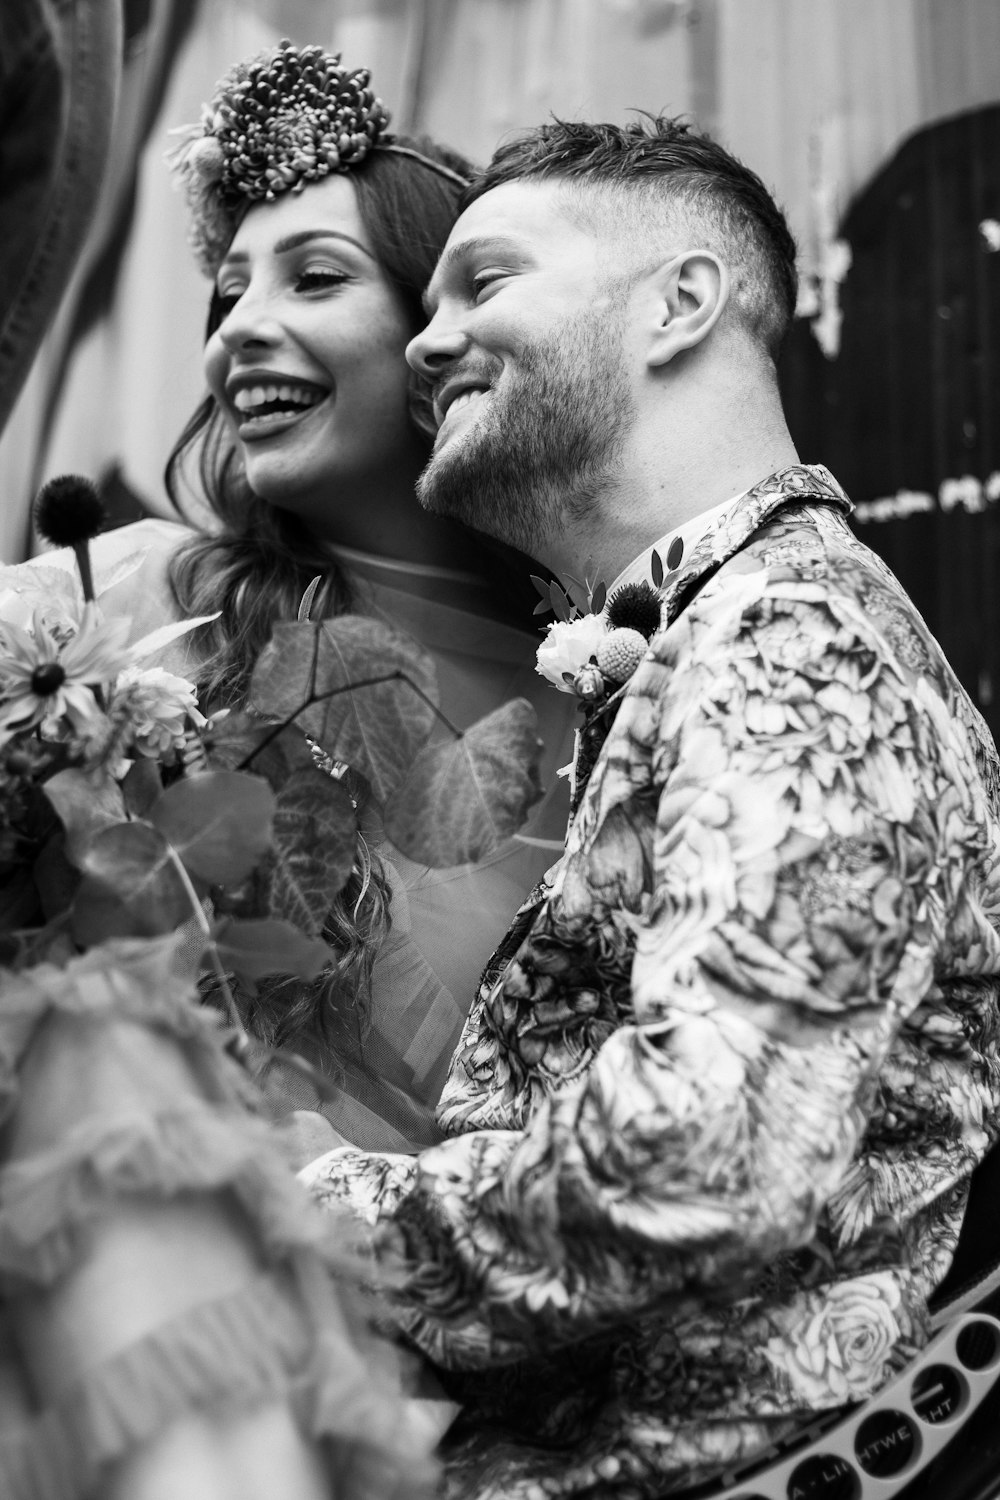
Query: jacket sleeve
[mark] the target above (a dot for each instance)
(784, 836)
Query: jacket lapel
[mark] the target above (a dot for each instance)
(798, 485)
(801, 484)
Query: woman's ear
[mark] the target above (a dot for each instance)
(691, 292)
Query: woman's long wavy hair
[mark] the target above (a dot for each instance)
(256, 567)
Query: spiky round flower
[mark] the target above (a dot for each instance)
(45, 678)
(288, 117)
(620, 653)
(69, 511)
(635, 606)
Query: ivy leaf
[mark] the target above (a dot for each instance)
(84, 802)
(315, 836)
(656, 568)
(464, 797)
(131, 887)
(254, 950)
(377, 690)
(219, 822)
(242, 741)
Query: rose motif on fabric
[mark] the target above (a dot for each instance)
(840, 1348)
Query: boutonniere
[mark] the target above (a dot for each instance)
(595, 643)
(592, 649)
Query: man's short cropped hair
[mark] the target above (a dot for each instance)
(658, 174)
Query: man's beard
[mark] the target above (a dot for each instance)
(547, 445)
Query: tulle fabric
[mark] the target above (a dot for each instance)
(294, 1327)
(388, 1058)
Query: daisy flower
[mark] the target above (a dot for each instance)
(44, 676)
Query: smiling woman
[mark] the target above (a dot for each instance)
(320, 232)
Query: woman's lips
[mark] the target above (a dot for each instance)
(253, 425)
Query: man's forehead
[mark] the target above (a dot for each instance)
(517, 218)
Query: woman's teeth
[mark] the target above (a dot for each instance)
(261, 400)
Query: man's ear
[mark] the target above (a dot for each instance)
(691, 293)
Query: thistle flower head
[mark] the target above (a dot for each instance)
(69, 511)
(635, 606)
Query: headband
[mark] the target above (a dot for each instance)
(284, 119)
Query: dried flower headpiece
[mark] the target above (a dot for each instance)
(284, 119)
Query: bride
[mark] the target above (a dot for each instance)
(200, 1316)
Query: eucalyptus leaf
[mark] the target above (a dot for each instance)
(464, 797)
(131, 887)
(315, 839)
(142, 786)
(560, 604)
(85, 802)
(376, 692)
(256, 949)
(56, 877)
(219, 822)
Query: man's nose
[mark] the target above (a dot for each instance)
(435, 346)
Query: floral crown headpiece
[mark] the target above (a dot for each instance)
(274, 123)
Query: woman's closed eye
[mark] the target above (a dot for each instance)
(320, 279)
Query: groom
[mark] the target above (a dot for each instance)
(711, 1123)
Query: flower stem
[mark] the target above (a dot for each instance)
(81, 551)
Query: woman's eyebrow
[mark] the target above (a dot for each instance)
(301, 237)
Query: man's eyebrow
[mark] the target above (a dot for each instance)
(301, 237)
(453, 255)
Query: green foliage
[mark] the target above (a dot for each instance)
(218, 822)
(365, 693)
(258, 949)
(315, 832)
(462, 798)
(131, 886)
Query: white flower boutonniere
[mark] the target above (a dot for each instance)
(596, 643)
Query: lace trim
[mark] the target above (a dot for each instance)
(48, 1199)
(234, 1353)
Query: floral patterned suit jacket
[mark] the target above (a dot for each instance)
(715, 1109)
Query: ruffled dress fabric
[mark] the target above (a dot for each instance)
(288, 1322)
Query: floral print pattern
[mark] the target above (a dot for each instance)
(711, 1123)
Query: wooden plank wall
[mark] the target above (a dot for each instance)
(912, 402)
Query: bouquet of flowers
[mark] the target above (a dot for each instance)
(142, 843)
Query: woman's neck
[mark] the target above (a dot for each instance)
(387, 521)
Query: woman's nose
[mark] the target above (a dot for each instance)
(435, 346)
(248, 324)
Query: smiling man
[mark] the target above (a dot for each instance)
(714, 1113)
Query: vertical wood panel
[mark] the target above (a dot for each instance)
(912, 400)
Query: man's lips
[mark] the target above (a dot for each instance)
(457, 395)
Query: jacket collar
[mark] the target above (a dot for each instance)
(796, 485)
